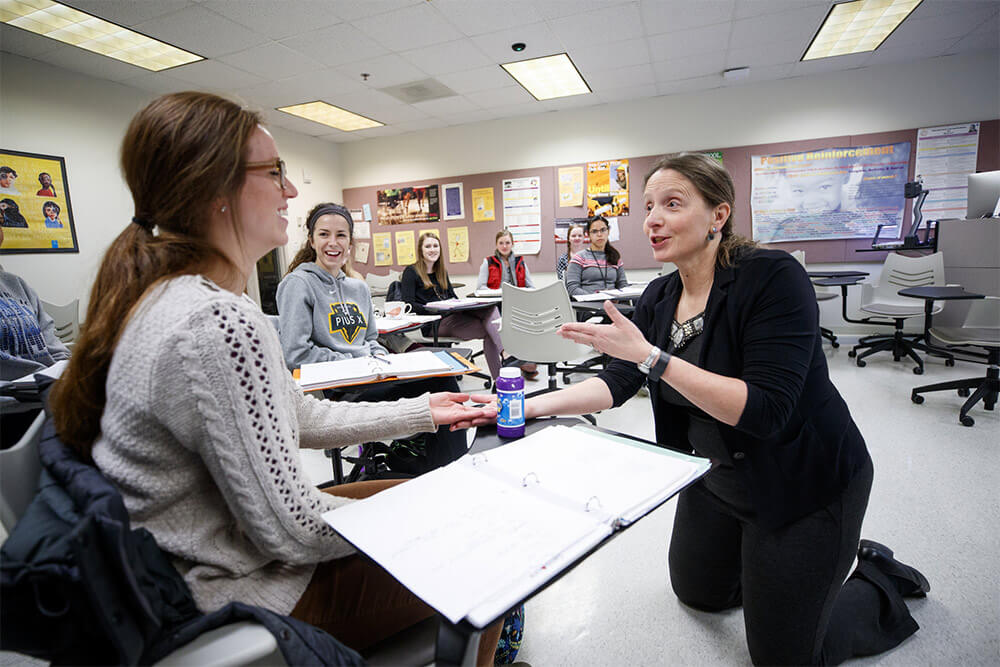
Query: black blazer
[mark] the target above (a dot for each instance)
(795, 444)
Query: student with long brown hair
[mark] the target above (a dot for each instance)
(427, 280)
(178, 392)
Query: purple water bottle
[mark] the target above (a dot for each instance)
(510, 403)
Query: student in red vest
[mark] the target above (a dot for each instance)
(503, 266)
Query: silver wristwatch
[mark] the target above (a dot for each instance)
(648, 362)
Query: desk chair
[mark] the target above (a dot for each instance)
(67, 320)
(883, 301)
(530, 327)
(800, 255)
(980, 329)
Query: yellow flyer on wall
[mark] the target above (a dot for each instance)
(458, 244)
(35, 205)
(404, 248)
(482, 205)
(383, 248)
(570, 186)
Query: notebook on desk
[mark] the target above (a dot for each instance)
(361, 370)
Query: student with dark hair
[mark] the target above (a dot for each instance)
(178, 392)
(599, 267)
(575, 242)
(427, 280)
(326, 314)
(47, 189)
(729, 346)
(503, 266)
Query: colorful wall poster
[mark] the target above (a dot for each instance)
(34, 204)
(522, 213)
(405, 248)
(946, 156)
(607, 188)
(482, 205)
(458, 244)
(570, 186)
(361, 252)
(383, 248)
(412, 204)
(830, 193)
(454, 202)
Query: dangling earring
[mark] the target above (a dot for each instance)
(711, 233)
(223, 209)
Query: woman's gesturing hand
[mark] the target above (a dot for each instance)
(620, 339)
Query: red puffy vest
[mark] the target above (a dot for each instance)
(496, 272)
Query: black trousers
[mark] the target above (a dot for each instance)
(445, 445)
(789, 581)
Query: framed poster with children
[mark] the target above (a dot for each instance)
(35, 204)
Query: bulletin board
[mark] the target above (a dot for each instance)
(633, 244)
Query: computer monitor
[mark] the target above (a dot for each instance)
(984, 195)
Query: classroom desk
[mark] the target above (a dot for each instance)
(447, 309)
(413, 326)
(932, 293)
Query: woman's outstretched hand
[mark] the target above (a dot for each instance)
(620, 339)
(449, 408)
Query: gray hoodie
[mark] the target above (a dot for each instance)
(323, 318)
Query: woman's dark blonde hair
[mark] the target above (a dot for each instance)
(440, 272)
(715, 186)
(181, 154)
(502, 233)
(307, 253)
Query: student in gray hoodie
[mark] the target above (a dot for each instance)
(325, 313)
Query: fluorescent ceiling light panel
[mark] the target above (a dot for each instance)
(857, 27)
(548, 77)
(327, 114)
(51, 19)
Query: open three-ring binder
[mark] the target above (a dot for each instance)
(477, 537)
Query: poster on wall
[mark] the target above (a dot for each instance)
(404, 248)
(570, 186)
(34, 202)
(454, 202)
(482, 205)
(607, 188)
(361, 252)
(946, 156)
(522, 213)
(458, 244)
(383, 248)
(403, 206)
(830, 193)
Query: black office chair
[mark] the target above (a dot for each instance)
(981, 329)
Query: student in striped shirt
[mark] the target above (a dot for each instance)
(598, 267)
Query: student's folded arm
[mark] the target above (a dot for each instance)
(778, 339)
(226, 399)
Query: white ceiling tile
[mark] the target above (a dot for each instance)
(773, 53)
(930, 8)
(613, 55)
(466, 117)
(747, 8)
(384, 71)
(691, 42)
(384, 131)
(201, 31)
(127, 12)
(758, 74)
(214, 75)
(622, 94)
(690, 85)
(909, 52)
(91, 64)
(553, 9)
(624, 77)
(593, 28)
(660, 16)
(833, 64)
(446, 106)
(751, 32)
(403, 113)
(370, 103)
(690, 67)
(349, 10)
(501, 97)
(940, 27)
(473, 80)
(271, 61)
(335, 45)
(157, 82)
(277, 19)
(423, 124)
(454, 56)
(25, 43)
(987, 36)
(539, 41)
(476, 17)
(408, 28)
(517, 110)
(323, 84)
(571, 102)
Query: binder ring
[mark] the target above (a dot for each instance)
(524, 481)
(479, 458)
(590, 500)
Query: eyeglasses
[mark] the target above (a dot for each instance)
(598, 230)
(277, 163)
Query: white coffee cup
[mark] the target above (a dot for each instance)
(395, 309)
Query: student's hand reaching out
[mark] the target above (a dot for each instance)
(448, 408)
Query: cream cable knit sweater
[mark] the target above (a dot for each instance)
(200, 434)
